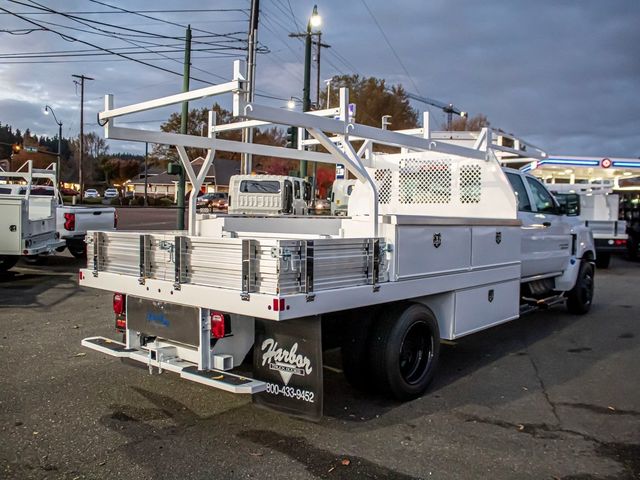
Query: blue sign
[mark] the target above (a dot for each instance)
(340, 171)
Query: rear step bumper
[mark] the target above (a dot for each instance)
(226, 381)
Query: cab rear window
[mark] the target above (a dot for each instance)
(259, 186)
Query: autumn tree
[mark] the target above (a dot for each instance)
(374, 98)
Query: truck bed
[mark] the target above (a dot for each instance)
(262, 265)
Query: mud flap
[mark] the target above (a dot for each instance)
(288, 357)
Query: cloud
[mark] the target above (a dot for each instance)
(561, 74)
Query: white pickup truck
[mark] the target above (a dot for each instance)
(436, 246)
(73, 222)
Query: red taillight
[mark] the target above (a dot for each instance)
(119, 303)
(70, 221)
(621, 242)
(218, 324)
(278, 304)
(115, 219)
(121, 323)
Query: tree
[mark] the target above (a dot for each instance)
(197, 125)
(374, 99)
(472, 124)
(95, 149)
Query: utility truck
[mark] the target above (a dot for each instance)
(432, 248)
(598, 181)
(597, 206)
(340, 192)
(267, 194)
(27, 217)
(71, 221)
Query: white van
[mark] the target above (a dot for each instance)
(269, 194)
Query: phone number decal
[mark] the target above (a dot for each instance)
(290, 392)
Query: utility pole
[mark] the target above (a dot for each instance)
(314, 21)
(81, 159)
(146, 173)
(315, 164)
(247, 133)
(184, 121)
(320, 47)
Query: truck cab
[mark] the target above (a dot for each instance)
(553, 245)
(269, 195)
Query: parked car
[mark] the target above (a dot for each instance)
(322, 204)
(111, 192)
(91, 193)
(69, 192)
(213, 200)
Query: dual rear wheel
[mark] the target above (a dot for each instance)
(395, 352)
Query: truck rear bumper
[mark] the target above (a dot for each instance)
(163, 360)
(611, 245)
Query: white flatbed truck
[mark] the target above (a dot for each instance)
(432, 248)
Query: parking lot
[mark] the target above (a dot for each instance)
(550, 395)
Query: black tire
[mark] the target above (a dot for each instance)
(7, 262)
(632, 249)
(603, 260)
(404, 350)
(356, 364)
(580, 297)
(36, 259)
(78, 249)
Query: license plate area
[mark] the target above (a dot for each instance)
(165, 320)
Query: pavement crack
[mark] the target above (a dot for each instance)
(543, 387)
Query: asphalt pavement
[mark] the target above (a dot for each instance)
(548, 396)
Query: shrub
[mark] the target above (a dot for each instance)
(165, 202)
(92, 201)
(115, 201)
(136, 201)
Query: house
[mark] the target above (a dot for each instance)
(162, 184)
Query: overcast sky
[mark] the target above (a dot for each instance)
(563, 74)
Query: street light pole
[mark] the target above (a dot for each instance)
(48, 109)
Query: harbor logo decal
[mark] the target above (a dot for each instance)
(286, 362)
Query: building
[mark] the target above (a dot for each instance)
(162, 184)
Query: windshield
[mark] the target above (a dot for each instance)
(259, 186)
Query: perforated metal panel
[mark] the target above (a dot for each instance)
(424, 181)
(470, 183)
(384, 182)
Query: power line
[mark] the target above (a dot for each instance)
(183, 10)
(375, 20)
(73, 39)
(87, 22)
(155, 18)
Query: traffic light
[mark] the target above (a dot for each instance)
(292, 137)
(16, 148)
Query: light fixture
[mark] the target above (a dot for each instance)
(46, 110)
(291, 104)
(316, 19)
